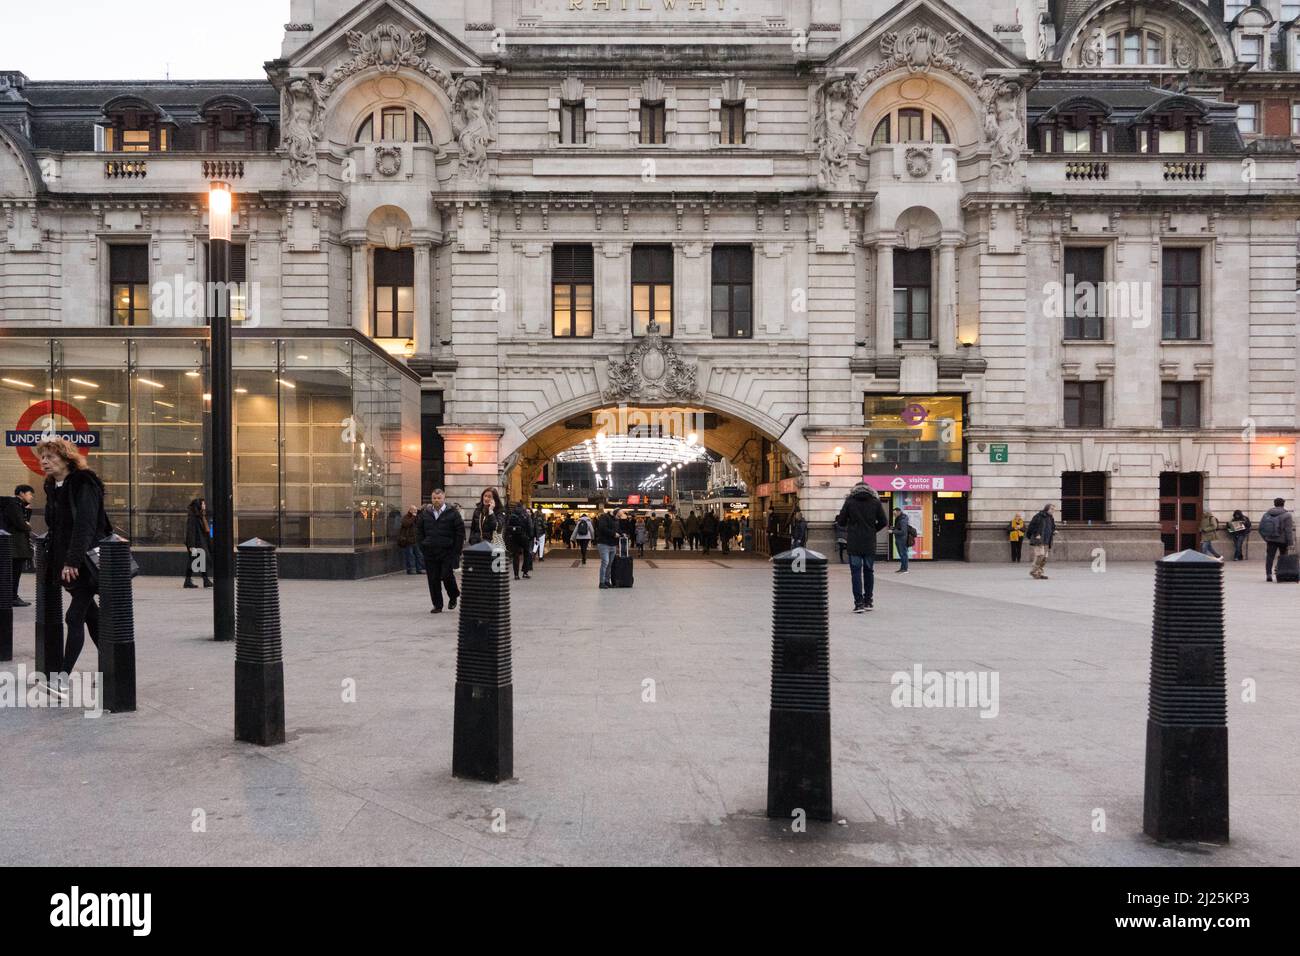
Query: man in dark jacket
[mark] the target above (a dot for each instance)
(1042, 528)
(440, 531)
(901, 532)
(606, 542)
(1277, 528)
(16, 517)
(863, 516)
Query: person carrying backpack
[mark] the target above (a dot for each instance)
(519, 539)
(1277, 528)
(904, 538)
(583, 532)
(1209, 533)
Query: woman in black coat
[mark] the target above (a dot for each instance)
(489, 517)
(197, 534)
(75, 517)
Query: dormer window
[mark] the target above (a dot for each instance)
(396, 124)
(230, 122)
(132, 125)
(1135, 48)
(1080, 125)
(1251, 50)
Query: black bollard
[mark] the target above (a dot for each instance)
(259, 664)
(49, 609)
(1187, 721)
(6, 596)
(483, 735)
(799, 729)
(116, 625)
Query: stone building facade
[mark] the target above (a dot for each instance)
(990, 255)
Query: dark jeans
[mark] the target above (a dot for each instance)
(192, 555)
(440, 570)
(862, 570)
(900, 544)
(1016, 547)
(677, 544)
(1238, 543)
(83, 613)
(1274, 549)
(413, 558)
(582, 547)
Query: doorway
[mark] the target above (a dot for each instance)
(950, 526)
(1181, 501)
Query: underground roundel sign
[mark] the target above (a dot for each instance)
(25, 438)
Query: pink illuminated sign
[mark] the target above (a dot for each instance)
(918, 482)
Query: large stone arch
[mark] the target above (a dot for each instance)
(955, 102)
(1206, 32)
(359, 94)
(20, 174)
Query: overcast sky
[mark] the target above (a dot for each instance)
(140, 39)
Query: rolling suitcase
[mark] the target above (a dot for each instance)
(621, 571)
(1288, 567)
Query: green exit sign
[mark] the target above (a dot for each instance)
(998, 453)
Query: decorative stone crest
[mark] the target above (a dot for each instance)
(1093, 52)
(918, 162)
(1183, 52)
(651, 371)
(388, 160)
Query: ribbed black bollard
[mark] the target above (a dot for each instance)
(799, 730)
(483, 735)
(1187, 720)
(6, 596)
(116, 625)
(259, 664)
(49, 609)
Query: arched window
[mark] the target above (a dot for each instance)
(133, 125)
(396, 124)
(1135, 48)
(909, 125)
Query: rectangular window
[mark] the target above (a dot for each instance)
(1132, 47)
(394, 303)
(135, 141)
(573, 124)
(1290, 10)
(733, 292)
(1083, 496)
(128, 276)
(1233, 7)
(1180, 404)
(911, 126)
(572, 297)
(1112, 50)
(1295, 119)
(1252, 50)
(238, 283)
(733, 124)
(1085, 277)
(652, 289)
(1076, 140)
(653, 119)
(394, 125)
(1173, 141)
(1083, 404)
(1181, 293)
(911, 294)
(914, 430)
(1248, 117)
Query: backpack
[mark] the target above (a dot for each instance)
(518, 526)
(1270, 528)
(911, 536)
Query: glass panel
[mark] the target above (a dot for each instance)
(1132, 48)
(135, 141)
(664, 309)
(367, 131)
(25, 407)
(881, 135)
(394, 125)
(561, 306)
(938, 132)
(1173, 141)
(585, 314)
(910, 126)
(317, 403)
(256, 452)
(913, 429)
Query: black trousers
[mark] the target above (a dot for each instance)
(440, 570)
(1270, 555)
(83, 613)
(582, 546)
(192, 555)
(19, 563)
(1015, 550)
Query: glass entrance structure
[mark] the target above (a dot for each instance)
(327, 436)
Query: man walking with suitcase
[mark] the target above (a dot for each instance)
(1277, 528)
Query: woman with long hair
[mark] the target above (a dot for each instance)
(489, 517)
(197, 534)
(75, 517)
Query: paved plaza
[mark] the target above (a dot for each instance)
(603, 776)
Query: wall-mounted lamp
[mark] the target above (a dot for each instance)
(469, 455)
(838, 453)
(1281, 456)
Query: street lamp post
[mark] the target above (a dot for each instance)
(222, 506)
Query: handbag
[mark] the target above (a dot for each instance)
(92, 558)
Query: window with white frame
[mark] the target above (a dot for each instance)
(1248, 117)
(1290, 10)
(1295, 119)
(1231, 8)
(1250, 49)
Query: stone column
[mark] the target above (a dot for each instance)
(947, 297)
(361, 287)
(423, 331)
(884, 338)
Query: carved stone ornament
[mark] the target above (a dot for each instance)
(651, 371)
(837, 114)
(1183, 52)
(918, 162)
(1093, 52)
(387, 48)
(388, 160)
